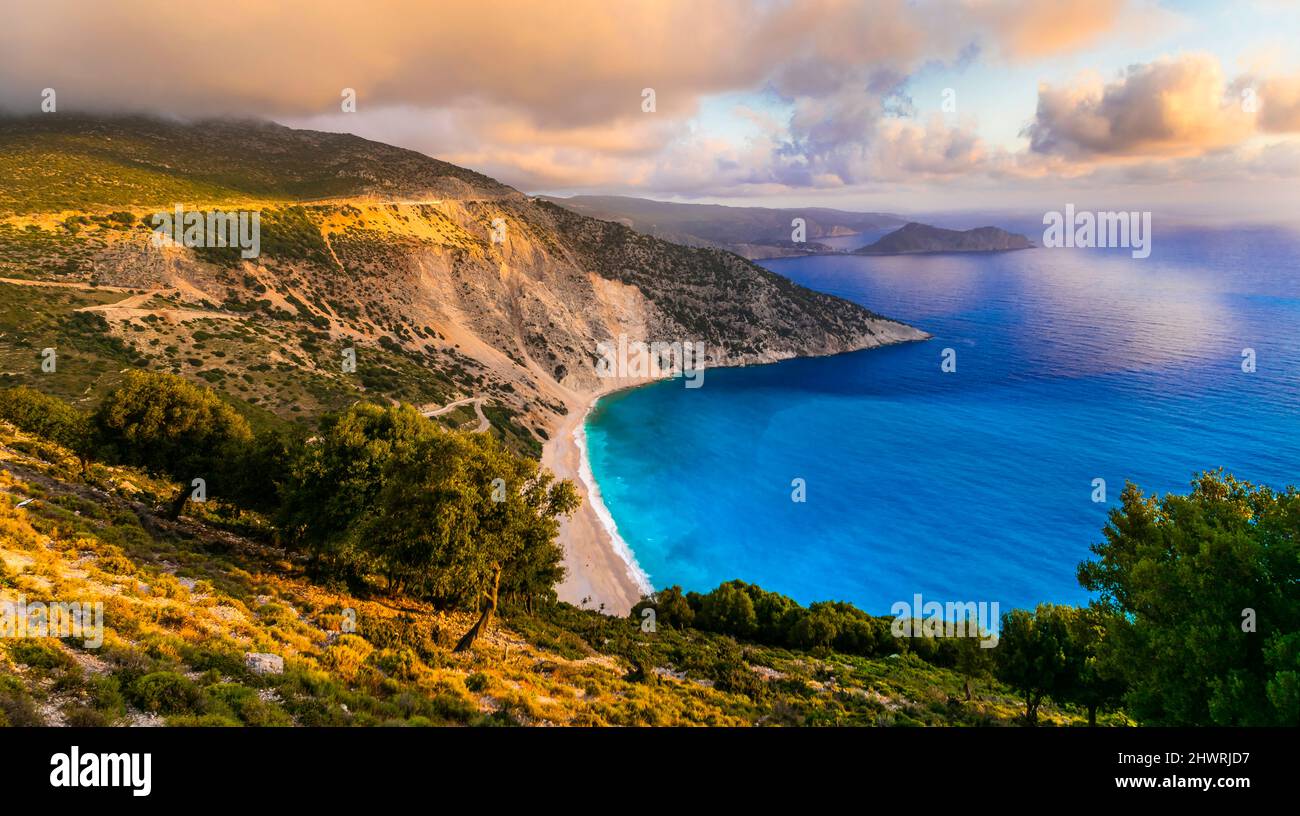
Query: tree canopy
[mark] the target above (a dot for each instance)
(1207, 589)
(170, 427)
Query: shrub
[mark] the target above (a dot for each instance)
(16, 706)
(48, 417)
(39, 654)
(202, 721)
(346, 657)
(245, 704)
(225, 661)
(167, 693)
(84, 717)
(452, 708)
(729, 610)
(172, 428)
(105, 695)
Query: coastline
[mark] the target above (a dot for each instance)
(622, 549)
(600, 568)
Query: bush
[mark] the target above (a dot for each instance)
(48, 417)
(202, 721)
(729, 610)
(346, 657)
(39, 654)
(171, 428)
(245, 704)
(16, 706)
(83, 717)
(226, 661)
(105, 695)
(737, 677)
(167, 693)
(670, 606)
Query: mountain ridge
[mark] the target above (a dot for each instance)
(751, 232)
(416, 225)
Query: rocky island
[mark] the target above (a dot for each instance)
(921, 238)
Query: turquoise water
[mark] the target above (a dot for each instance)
(975, 485)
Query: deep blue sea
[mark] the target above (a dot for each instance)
(976, 485)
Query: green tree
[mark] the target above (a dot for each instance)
(462, 519)
(338, 475)
(263, 470)
(172, 428)
(49, 417)
(1091, 678)
(974, 661)
(815, 627)
(1031, 653)
(861, 634)
(670, 606)
(1208, 587)
(729, 610)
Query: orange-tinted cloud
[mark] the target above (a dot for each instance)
(559, 64)
(570, 63)
(548, 95)
(1279, 102)
(1171, 107)
(1028, 30)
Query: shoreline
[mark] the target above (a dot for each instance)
(601, 571)
(622, 549)
(600, 567)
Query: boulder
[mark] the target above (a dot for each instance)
(262, 663)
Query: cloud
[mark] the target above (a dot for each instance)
(547, 96)
(909, 150)
(1175, 106)
(1034, 30)
(1279, 102)
(565, 64)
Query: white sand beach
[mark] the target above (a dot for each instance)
(599, 567)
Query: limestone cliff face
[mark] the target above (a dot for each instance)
(497, 294)
(529, 312)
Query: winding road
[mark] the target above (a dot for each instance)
(483, 423)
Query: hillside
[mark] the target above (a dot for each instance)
(920, 238)
(371, 251)
(752, 232)
(363, 245)
(206, 622)
(78, 162)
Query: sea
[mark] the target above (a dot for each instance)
(875, 476)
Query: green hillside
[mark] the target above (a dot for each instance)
(187, 602)
(69, 162)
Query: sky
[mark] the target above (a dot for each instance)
(1188, 106)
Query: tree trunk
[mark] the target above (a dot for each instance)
(1031, 711)
(968, 689)
(178, 503)
(467, 642)
(1092, 716)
